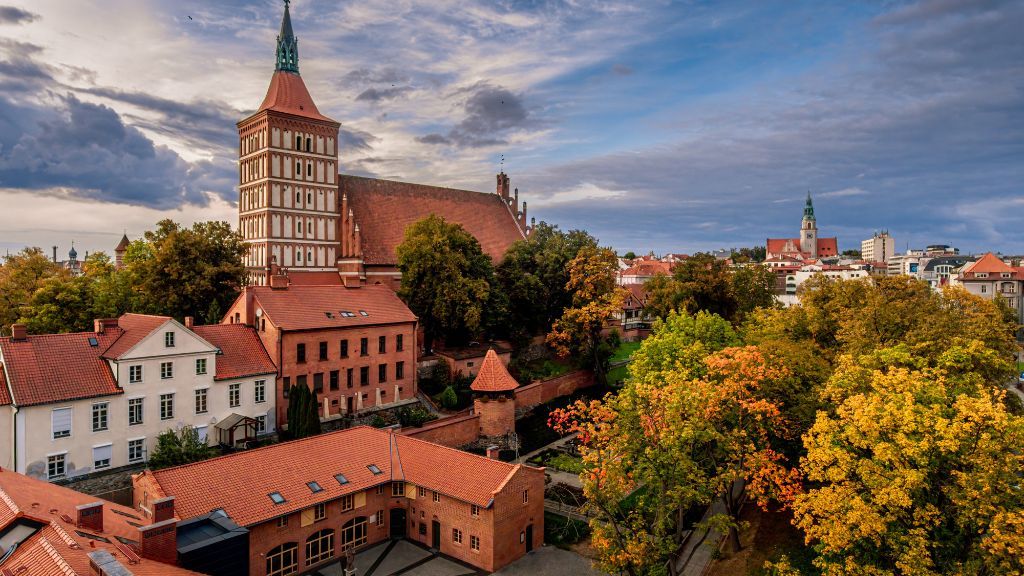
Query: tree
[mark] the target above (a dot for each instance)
(303, 412)
(596, 299)
(20, 276)
(446, 280)
(917, 468)
(854, 254)
(177, 447)
(65, 303)
(533, 276)
(180, 272)
(680, 436)
(703, 282)
(629, 255)
(753, 287)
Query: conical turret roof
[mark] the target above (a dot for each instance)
(493, 376)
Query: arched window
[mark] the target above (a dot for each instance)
(353, 533)
(309, 144)
(298, 198)
(298, 169)
(309, 256)
(309, 197)
(300, 226)
(309, 169)
(298, 255)
(298, 142)
(320, 547)
(283, 560)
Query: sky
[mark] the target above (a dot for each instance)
(655, 125)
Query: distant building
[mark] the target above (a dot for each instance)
(879, 248)
(990, 278)
(940, 271)
(120, 250)
(808, 245)
(643, 270)
(308, 503)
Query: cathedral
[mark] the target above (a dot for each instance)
(808, 246)
(299, 216)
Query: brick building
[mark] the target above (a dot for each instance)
(355, 346)
(808, 246)
(344, 491)
(296, 211)
(49, 529)
(494, 397)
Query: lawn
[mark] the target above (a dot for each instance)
(619, 373)
(767, 537)
(559, 461)
(624, 351)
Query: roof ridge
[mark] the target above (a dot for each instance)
(59, 560)
(9, 501)
(463, 452)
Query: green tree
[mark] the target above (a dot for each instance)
(446, 280)
(629, 255)
(753, 287)
(596, 300)
(303, 412)
(20, 276)
(65, 303)
(180, 271)
(448, 398)
(703, 282)
(177, 447)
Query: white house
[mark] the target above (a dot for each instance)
(78, 403)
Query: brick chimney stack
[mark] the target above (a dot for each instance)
(19, 333)
(493, 452)
(159, 541)
(190, 322)
(163, 509)
(90, 516)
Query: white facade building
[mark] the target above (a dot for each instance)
(879, 248)
(92, 401)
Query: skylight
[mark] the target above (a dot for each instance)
(373, 468)
(341, 479)
(276, 497)
(314, 486)
(93, 342)
(363, 313)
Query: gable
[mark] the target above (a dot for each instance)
(152, 344)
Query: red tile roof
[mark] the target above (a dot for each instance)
(287, 93)
(52, 368)
(242, 352)
(5, 394)
(988, 264)
(58, 547)
(637, 296)
(493, 376)
(384, 209)
(135, 328)
(648, 268)
(240, 483)
(826, 246)
(305, 307)
(301, 278)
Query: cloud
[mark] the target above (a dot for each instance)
(490, 113)
(375, 95)
(12, 15)
(843, 193)
(585, 192)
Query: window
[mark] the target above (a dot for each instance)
(399, 370)
(261, 424)
(234, 395)
(276, 498)
(399, 345)
(382, 373)
(397, 489)
(380, 489)
(353, 533)
(474, 510)
(320, 547)
(60, 422)
(323, 350)
(319, 512)
(136, 448)
(380, 517)
(342, 480)
(282, 521)
(373, 468)
(298, 174)
(134, 411)
(200, 366)
(101, 457)
(260, 392)
(169, 339)
(344, 348)
(166, 370)
(423, 526)
(437, 497)
(309, 169)
(334, 379)
(201, 406)
(456, 535)
(984, 289)
(474, 543)
(309, 144)
(318, 382)
(166, 406)
(981, 275)
(348, 377)
(56, 466)
(364, 375)
(382, 344)
(300, 349)
(135, 374)
(298, 142)
(283, 560)
(526, 496)
(286, 386)
(99, 416)
(348, 502)
(364, 346)
(421, 492)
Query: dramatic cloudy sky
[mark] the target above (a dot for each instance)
(656, 125)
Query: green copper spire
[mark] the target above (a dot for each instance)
(287, 45)
(809, 207)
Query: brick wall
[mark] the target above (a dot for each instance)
(497, 415)
(512, 516)
(547, 390)
(453, 431)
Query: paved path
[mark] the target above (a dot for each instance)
(550, 561)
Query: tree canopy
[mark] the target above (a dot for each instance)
(703, 282)
(177, 447)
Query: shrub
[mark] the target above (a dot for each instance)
(414, 417)
(174, 448)
(448, 399)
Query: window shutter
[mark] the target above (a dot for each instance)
(306, 518)
(410, 490)
(360, 499)
(102, 453)
(61, 421)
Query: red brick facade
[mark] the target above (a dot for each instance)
(453, 431)
(497, 414)
(547, 390)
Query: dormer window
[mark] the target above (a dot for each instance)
(169, 339)
(981, 274)
(276, 498)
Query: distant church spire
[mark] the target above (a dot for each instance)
(287, 44)
(809, 207)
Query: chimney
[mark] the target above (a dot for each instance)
(279, 282)
(163, 509)
(19, 333)
(90, 516)
(492, 452)
(100, 325)
(190, 322)
(54, 254)
(159, 541)
(522, 215)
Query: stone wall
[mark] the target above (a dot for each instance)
(453, 431)
(547, 390)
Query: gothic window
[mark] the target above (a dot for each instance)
(309, 169)
(298, 197)
(309, 144)
(283, 560)
(298, 142)
(309, 197)
(298, 169)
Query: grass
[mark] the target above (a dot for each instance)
(624, 351)
(561, 531)
(618, 373)
(565, 463)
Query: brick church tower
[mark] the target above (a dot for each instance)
(288, 170)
